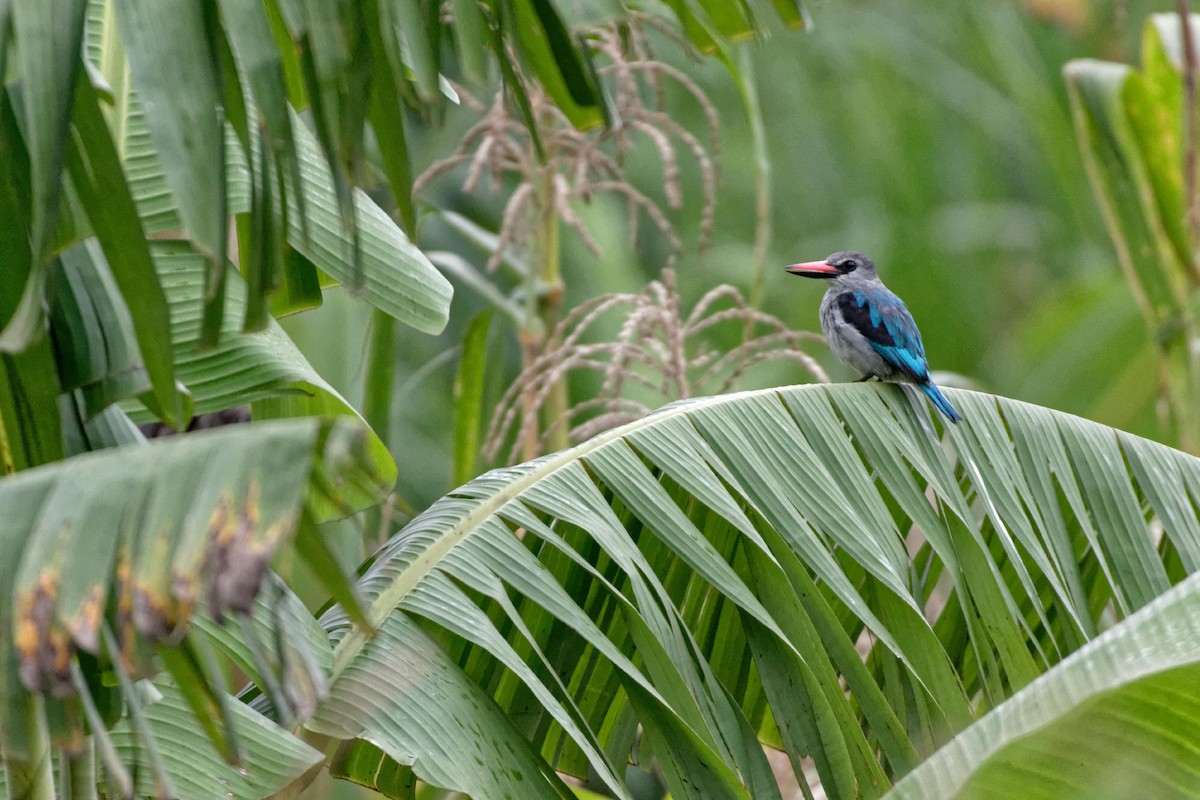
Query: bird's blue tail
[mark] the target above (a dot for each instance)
(939, 400)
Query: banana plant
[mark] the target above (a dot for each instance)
(815, 569)
(818, 570)
(1137, 131)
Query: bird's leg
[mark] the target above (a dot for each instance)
(866, 377)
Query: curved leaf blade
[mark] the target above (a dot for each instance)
(1116, 719)
(639, 541)
(164, 526)
(173, 65)
(264, 368)
(274, 758)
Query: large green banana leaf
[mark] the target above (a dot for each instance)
(1117, 719)
(112, 552)
(816, 568)
(390, 271)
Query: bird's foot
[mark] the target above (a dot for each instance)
(866, 377)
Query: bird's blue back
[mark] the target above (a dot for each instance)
(883, 319)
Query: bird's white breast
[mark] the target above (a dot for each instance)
(850, 346)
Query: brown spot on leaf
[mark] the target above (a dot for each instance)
(153, 612)
(240, 554)
(85, 627)
(44, 647)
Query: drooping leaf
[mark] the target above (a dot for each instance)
(29, 387)
(1116, 719)
(335, 66)
(173, 65)
(264, 368)
(72, 523)
(158, 527)
(795, 511)
(48, 72)
(95, 345)
(396, 276)
(97, 177)
(556, 60)
(386, 113)
(48, 64)
(274, 758)
(269, 263)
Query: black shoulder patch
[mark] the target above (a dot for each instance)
(860, 317)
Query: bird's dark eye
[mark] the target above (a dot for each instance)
(848, 265)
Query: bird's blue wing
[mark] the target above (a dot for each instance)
(884, 320)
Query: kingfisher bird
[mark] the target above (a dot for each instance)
(869, 328)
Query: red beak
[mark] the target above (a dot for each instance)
(814, 269)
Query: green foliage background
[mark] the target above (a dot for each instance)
(935, 137)
(938, 138)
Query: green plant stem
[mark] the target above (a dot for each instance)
(549, 305)
(81, 774)
(377, 405)
(31, 776)
(1183, 9)
(1188, 386)
(743, 76)
(544, 292)
(381, 371)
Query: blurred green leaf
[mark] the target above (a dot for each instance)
(174, 67)
(387, 116)
(273, 760)
(262, 67)
(47, 83)
(1112, 721)
(1127, 126)
(699, 29)
(95, 345)
(456, 266)
(262, 368)
(409, 31)
(555, 58)
(335, 65)
(1152, 97)
(48, 72)
(97, 177)
(470, 39)
(29, 393)
(731, 18)
(468, 398)
(29, 389)
(325, 565)
(793, 13)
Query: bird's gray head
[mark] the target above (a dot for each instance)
(846, 267)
